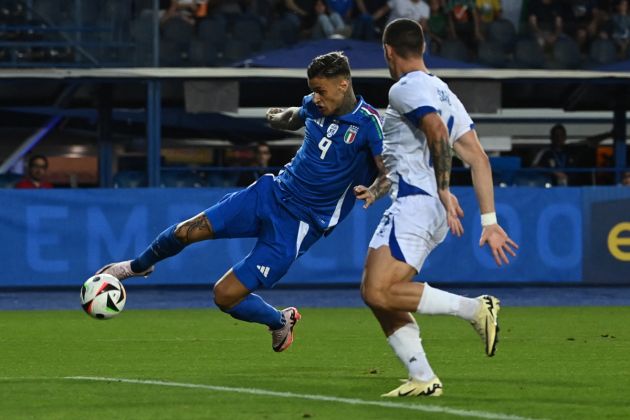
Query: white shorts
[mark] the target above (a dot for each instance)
(411, 227)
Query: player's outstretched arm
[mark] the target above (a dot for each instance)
(437, 137)
(379, 187)
(471, 152)
(285, 119)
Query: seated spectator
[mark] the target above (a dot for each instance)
(437, 25)
(464, 22)
(37, 168)
(416, 10)
(371, 19)
(182, 9)
(625, 179)
(546, 21)
(581, 18)
(342, 7)
(301, 15)
(262, 157)
(488, 10)
(561, 156)
(621, 27)
(329, 23)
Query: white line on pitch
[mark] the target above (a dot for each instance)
(352, 401)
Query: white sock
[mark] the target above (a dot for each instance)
(407, 345)
(438, 302)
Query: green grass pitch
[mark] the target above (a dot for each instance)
(555, 363)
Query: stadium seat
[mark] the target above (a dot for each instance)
(491, 54)
(203, 54)
(602, 51)
(142, 33)
(250, 31)
(504, 168)
(9, 180)
(177, 30)
(455, 50)
(130, 179)
(503, 33)
(235, 51)
(180, 179)
(529, 179)
(566, 54)
(211, 31)
(528, 54)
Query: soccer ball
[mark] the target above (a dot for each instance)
(103, 296)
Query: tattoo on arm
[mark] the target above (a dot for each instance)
(442, 159)
(382, 184)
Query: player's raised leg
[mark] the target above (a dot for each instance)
(167, 244)
(408, 296)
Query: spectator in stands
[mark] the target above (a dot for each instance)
(178, 9)
(488, 10)
(301, 14)
(621, 27)
(35, 179)
(437, 25)
(581, 18)
(464, 22)
(342, 7)
(329, 23)
(262, 158)
(512, 10)
(600, 25)
(625, 179)
(546, 21)
(416, 10)
(371, 19)
(560, 156)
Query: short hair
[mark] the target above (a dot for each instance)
(556, 128)
(329, 65)
(33, 158)
(405, 36)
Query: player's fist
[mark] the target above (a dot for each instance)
(362, 192)
(272, 113)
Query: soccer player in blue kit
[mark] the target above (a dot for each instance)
(314, 192)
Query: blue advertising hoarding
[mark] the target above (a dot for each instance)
(60, 237)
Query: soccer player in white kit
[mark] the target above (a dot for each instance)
(423, 121)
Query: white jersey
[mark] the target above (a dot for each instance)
(406, 152)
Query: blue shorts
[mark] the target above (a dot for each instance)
(256, 213)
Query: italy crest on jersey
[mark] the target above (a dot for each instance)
(332, 130)
(351, 134)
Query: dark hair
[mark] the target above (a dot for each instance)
(33, 158)
(405, 36)
(329, 65)
(556, 128)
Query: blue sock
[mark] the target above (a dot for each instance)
(164, 246)
(254, 309)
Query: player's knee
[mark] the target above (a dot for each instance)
(373, 297)
(222, 297)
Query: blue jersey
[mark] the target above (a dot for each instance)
(336, 155)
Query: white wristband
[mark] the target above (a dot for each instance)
(488, 219)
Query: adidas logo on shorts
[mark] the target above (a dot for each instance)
(263, 269)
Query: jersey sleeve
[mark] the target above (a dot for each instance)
(375, 133)
(308, 108)
(413, 99)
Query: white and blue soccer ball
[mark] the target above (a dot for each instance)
(103, 296)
